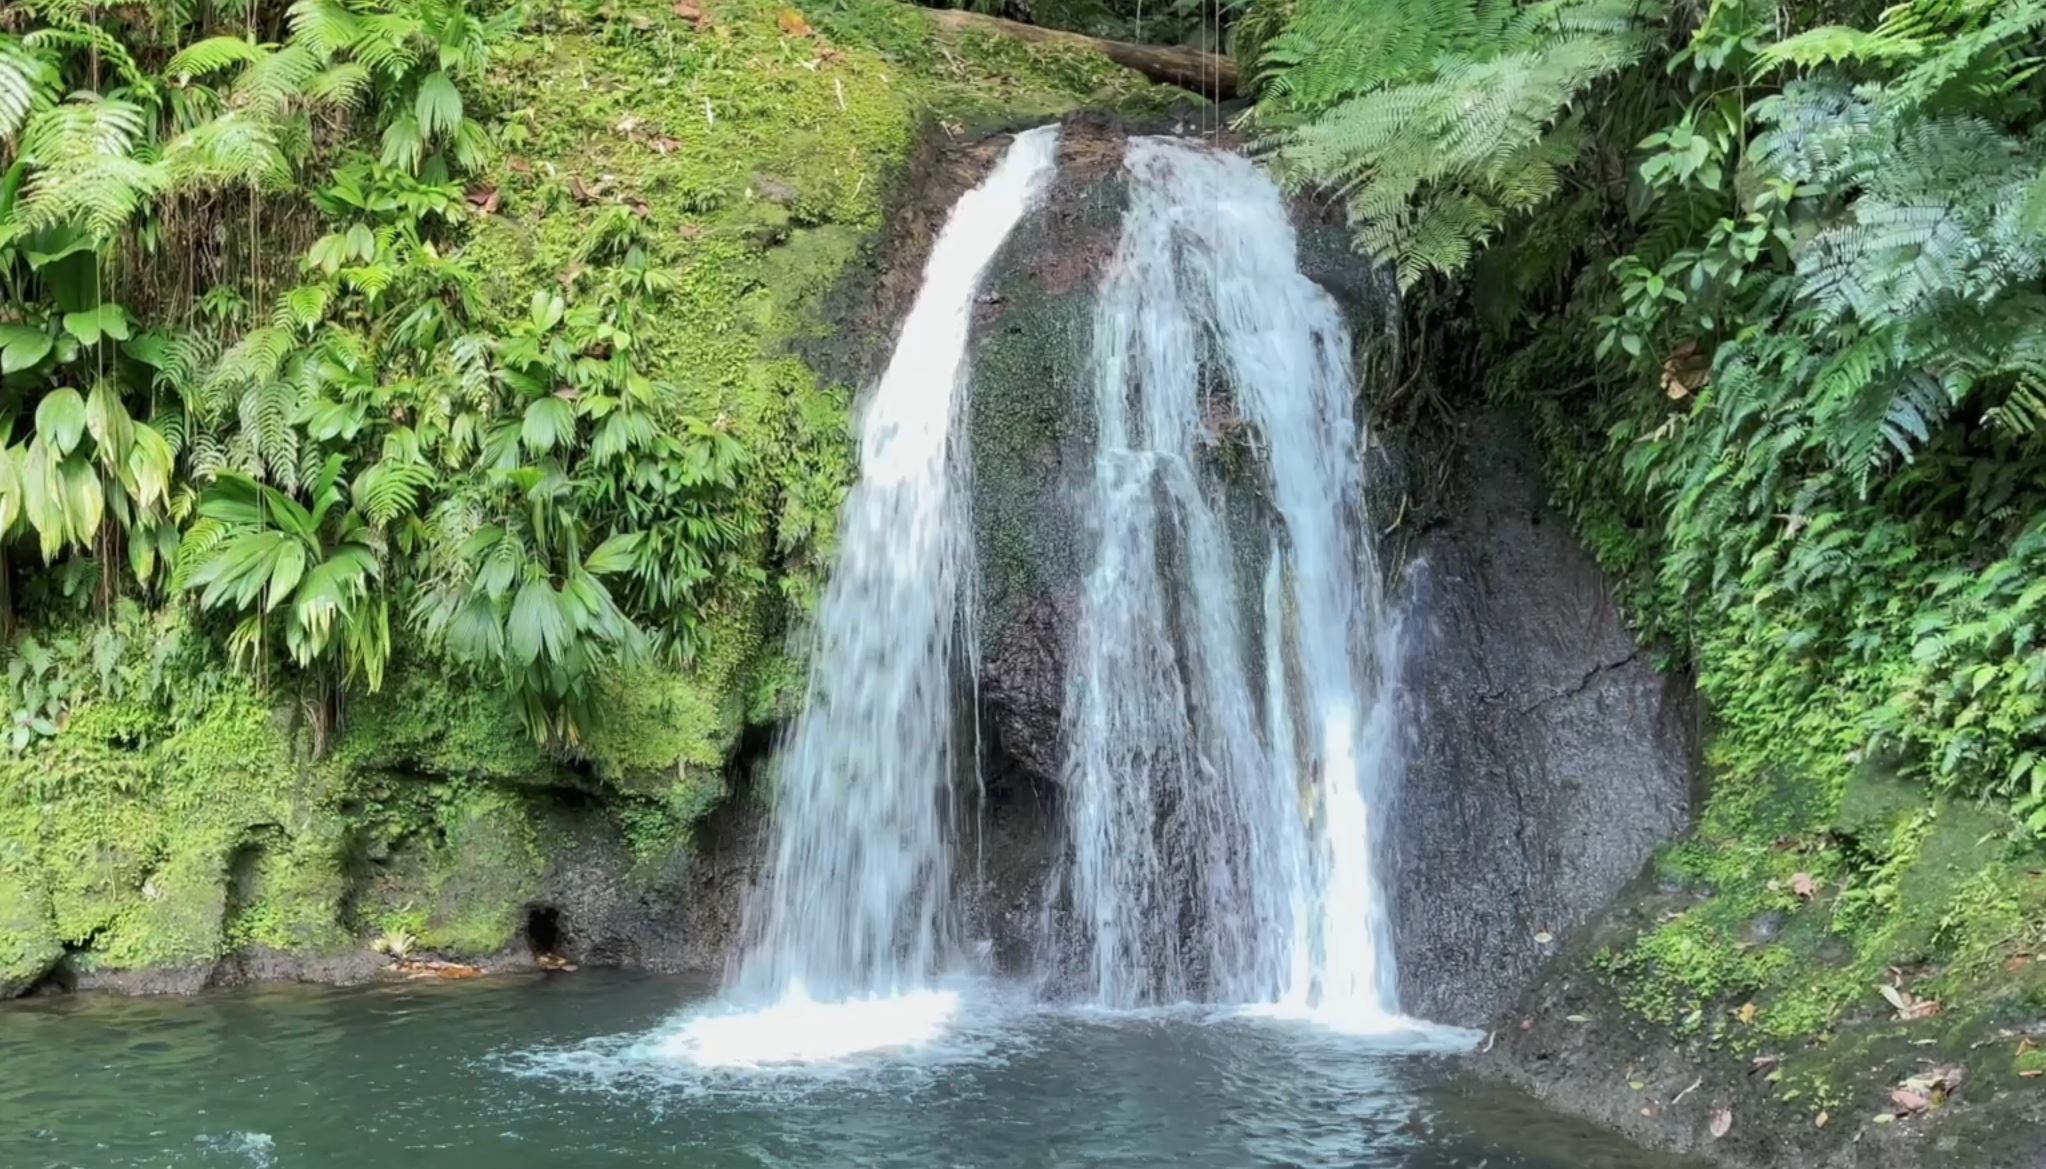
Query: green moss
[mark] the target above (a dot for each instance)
(289, 892)
(461, 886)
(484, 869)
(654, 726)
(434, 720)
(28, 939)
(1929, 896)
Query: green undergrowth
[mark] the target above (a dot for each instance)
(1828, 917)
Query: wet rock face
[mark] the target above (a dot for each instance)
(1030, 427)
(1547, 757)
(602, 908)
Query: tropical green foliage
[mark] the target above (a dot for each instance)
(509, 475)
(1440, 120)
(1815, 268)
(1779, 313)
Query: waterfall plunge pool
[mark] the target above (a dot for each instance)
(545, 1072)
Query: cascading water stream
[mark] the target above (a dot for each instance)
(856, 907)
(1223, 818)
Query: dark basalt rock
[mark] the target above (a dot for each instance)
(1547, 757)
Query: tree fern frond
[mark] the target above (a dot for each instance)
(212, 55)
(28, 85)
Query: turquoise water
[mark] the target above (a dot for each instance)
(543, 1072)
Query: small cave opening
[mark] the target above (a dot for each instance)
(543, 931)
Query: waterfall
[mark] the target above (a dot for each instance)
(856, 904)
(1223, 818)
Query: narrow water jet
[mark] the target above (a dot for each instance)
(856, 904)
(1224, 818)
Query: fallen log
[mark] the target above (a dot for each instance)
(1206, 73)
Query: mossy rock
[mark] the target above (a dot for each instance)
(29, 944)
(433, 719)
(462, 888)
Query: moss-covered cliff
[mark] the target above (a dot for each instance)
(161, 809)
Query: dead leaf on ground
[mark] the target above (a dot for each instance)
(1820, 1120)
(1928, 1089)
(1748, 1012)
(1722, 1123)
(1527, 1024)
(792, 23)
(1908, 1005)
(580, 190)
(520, 166)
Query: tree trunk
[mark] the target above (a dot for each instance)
(1207, 73)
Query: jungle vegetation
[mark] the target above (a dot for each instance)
(1770, 279)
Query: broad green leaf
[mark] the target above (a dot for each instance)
(236, 499)
(285, 570)
(499, 570)
(22, 347)
(42, 498)
(60, 420)
(613, 555)
(10, 488)
(362, 242)
(536, 625)
(550, 422)
(111, 428)
(547, 309)
(481, 541)
(89, 326)
(64, 245)
(438, 107)
(142, 555)
(476, 634)
(84, 500)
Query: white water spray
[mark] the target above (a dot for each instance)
(853, 927)
(1224, 840)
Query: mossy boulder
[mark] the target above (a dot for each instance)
(461, 886)
(29, 944)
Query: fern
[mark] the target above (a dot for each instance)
(388, 489)
(86, 168)
(1439, 120)
(28, 83)
(210, 56)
